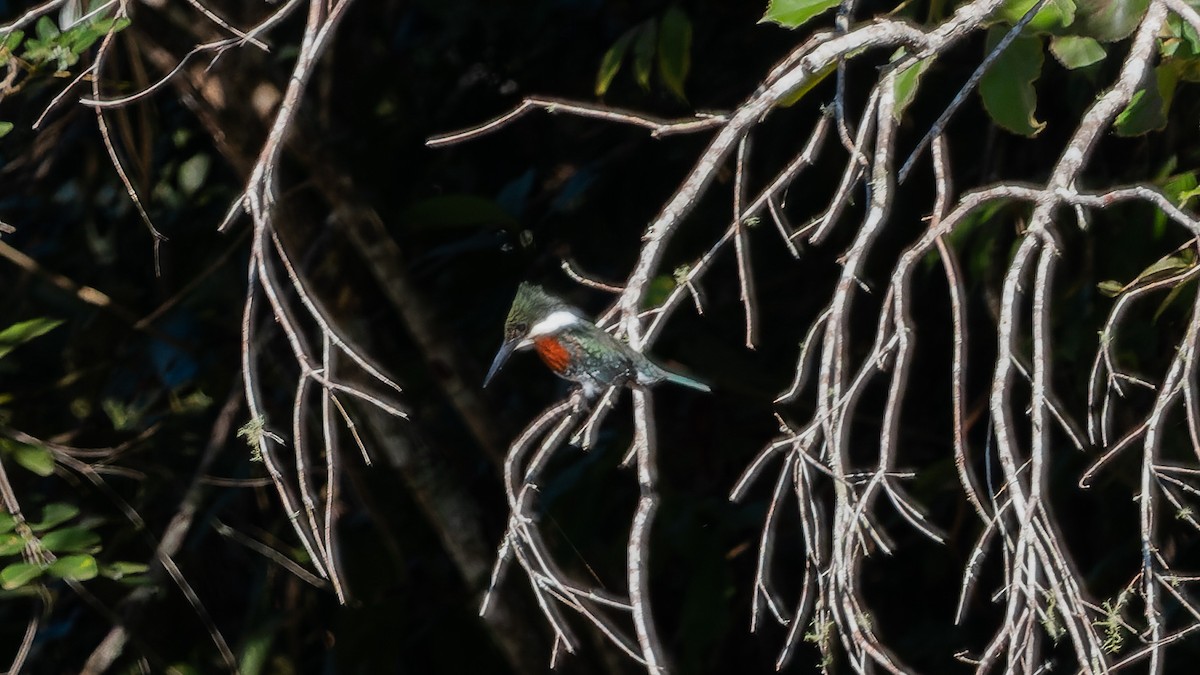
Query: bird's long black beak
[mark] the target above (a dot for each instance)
(506, 351)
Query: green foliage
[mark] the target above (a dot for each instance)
(53, 515)
(121, 569)
(78, 543)
(799, 92)
(123, 415)
(1148, 109)
(675, 50)
(253, 431)
(1051, 621)
(820, 634)
(1076, 51)
(20, 333)
(35, 458)
(19, 574)
(1054, 15)
(1007, 87)
(1077, 31)
(1109, 20)
(9, 45)
(5, 127)
(610, 65)
(665, 42)
(796, 13)
(76, 539)
(62, 49)
(1180, 41)
(11, 543)
(906, 83)
(1175, 264)
(45, 534)
(1169, 265)
(74, 568)
(643, 53)
(660, 287)
(1114, 628)
(193, 172)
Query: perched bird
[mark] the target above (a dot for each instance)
(574, 347)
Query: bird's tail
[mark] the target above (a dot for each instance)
(650, 372)
(684, 381)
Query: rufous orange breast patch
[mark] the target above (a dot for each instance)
(553, 353)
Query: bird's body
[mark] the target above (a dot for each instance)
(574, 347)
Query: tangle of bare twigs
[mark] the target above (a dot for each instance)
(837, 499)
(1041, 586)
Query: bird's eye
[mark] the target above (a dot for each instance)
(521, 326)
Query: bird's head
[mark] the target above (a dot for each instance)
(534, 313)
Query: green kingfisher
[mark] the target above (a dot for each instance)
(575, 348)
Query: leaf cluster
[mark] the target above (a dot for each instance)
(51, 46)
(63, 548)
(52, 546)
(665, 41)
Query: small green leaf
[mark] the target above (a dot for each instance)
(192, 173)
(71, 540)
(610, 65)
(1191, 37)
(7, 523)
(5, 127)
(35, 458)
(20, 333)
(1140, 113)
(83, 39)
(660, 288)
(19, 574)
(796, 13)
(1167, 265)
(643, 53)
(1147, 110)
(1167, 301)
(121, 569)
(256, 649)
(798, 93)
(1053, 15)
(1074, 51)
(12, 40)
(1177, 186)
(64, 58)
(11, 543)
(37, 54)
(675, 50)
(46, 29)
(1188, 195)
(1174, 263)
(1007, 87)
(1179, 39)
(75, 568)
(1109, 20)
(906, 83)
(53, 515)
